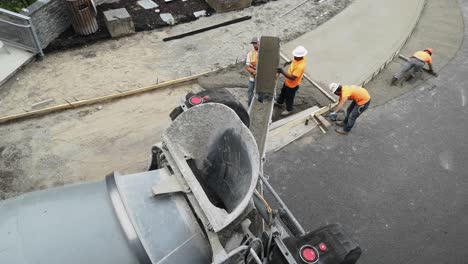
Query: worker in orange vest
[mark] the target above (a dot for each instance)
(293, 78)
(251, 66)
(360, 102)
(414, 65)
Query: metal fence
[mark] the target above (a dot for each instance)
(17, 30)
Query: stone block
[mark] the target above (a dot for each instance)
(147, 4)
(228, 5)
(119, 22)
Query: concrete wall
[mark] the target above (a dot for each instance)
(50, 18)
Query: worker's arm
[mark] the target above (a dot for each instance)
(287, 75)
(341, 104)
(251, 69)
(430, 66)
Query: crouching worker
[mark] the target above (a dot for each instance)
(414, 66)
(360, 102)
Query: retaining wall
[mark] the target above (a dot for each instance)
(49, 17)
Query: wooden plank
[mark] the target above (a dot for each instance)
(300, 115)
(279, 141)
(324, 122)
(287, 133)
(100, 99)
(322, 127)
(293, 123)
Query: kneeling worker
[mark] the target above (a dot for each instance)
(293, 79)
(360, 102)
(414, 65)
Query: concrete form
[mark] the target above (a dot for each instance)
(360, 41)
(119, 22)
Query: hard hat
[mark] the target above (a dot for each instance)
(429, 50)
(299, 51)
(333, 87)
(254, 40)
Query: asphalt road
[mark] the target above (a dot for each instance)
(399, 182)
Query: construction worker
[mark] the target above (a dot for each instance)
(251, 66)
(293, 78)
(360, 102)
(414, 65)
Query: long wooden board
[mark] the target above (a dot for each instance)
(101, 99)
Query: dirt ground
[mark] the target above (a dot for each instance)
(144, 59)
(87, 143)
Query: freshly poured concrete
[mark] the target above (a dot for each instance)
(441, 28)
(356, 43)
(11, 59)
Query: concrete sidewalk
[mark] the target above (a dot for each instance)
(11, 60)
(358, 42)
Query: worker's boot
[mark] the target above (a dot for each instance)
(394, 81)
(341, 131)
(285, 113)
(339, 123)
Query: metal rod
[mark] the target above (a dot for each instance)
(36, 39)
(283, 205)
(255, 256)
(290, 10)
(14, 24)
(13, 14)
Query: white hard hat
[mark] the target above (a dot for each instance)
(299, 51)
(254, 40)
(333, 87)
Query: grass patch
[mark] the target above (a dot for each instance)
(15, 5)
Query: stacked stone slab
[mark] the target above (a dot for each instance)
(228, 5)
(119, 22)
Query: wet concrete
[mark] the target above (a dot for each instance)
(441, 28)
(355, 44)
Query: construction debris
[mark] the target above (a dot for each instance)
(168, 18)
(41, 104)
(147, 4)
(199, 13)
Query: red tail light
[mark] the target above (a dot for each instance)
(323, 247)
(309, 254)
(195, 100)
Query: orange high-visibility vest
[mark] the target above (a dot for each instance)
(423, 56)
(355, 93)
(253, 58)
(297, 69)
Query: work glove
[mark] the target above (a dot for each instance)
(279, 70)
(333, 116)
